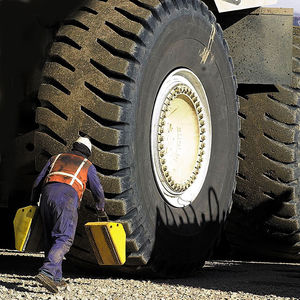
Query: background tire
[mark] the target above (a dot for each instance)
(265, 219)
(102, 76)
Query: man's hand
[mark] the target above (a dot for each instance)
(102, 215)
(98, 206)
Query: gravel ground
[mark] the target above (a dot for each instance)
(218, 280)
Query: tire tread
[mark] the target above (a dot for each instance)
(266, 212)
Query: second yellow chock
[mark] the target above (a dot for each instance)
(28, 229)
(108, 241)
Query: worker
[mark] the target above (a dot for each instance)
(61, 185)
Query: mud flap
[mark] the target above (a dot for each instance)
(108, 241)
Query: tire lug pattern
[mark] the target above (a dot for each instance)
(266, 210)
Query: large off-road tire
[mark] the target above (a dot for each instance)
(265, 219)
(114, 71)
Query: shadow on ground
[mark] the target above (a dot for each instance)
(257, 278)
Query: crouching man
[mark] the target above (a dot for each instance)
(61, 184)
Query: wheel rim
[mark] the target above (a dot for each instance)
(181, 135)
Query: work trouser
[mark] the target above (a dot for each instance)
(59, 203)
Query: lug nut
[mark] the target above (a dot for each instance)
(196, 171)
(160, 138)
(162, 115)
(161, 122)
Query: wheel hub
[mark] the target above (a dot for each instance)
(179, 134)
(181, 137)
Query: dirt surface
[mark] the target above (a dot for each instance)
(217, 280)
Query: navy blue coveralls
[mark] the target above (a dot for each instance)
(58, 207)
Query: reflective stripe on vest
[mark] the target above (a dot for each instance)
(69, 175)
(56, 158)
(74, 177)
(70, 166)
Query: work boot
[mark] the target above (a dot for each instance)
(47, 282)
(61, 283)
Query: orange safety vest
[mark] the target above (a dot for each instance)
(70, 169)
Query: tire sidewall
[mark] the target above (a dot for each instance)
(178, 43)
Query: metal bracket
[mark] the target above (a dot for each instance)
(260, 44)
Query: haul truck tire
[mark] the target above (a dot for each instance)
(152, 84)
(265, 219)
